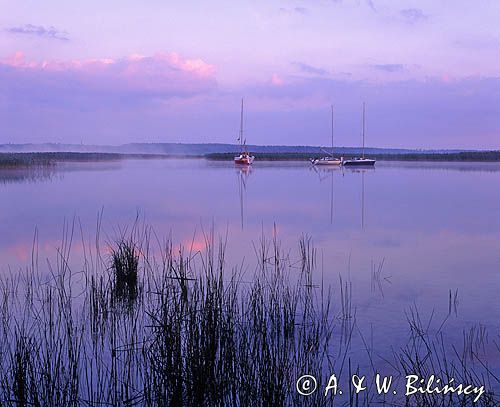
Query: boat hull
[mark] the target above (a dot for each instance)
(243, 160)
(362, 162)
(329, 162)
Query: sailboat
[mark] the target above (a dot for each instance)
(360, 161)
(244, 158)
(328, 160)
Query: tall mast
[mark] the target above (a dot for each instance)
(332, 130)
(363, 129)
(241, 124)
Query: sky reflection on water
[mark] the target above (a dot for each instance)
(435, 226)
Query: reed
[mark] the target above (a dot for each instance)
(193, 331)
(125, 267)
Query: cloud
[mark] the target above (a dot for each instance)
(104, 82)
(166, 97)
(485, 42)
(413, 15)
(105, 100)
(309, 69)
(294, 10)
(431, 113)
(301, 10)
(371, 5)
(40, 31)
(391, 68)
(276, 80)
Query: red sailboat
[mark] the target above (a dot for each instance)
(244, 158)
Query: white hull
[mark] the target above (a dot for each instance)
(327, 161)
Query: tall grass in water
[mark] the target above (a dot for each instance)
(125, 268)
(145, 323)
(427, 354)
(195, 333)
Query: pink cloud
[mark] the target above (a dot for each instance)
(162, 75)
(133, 63)
(276, 80)
(446, 78)
(17, 60)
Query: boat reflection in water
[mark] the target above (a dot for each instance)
(362, 171)
(242, 172)
(325, 174)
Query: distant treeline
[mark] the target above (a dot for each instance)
(459, 156)
(193, 149)
(23, 160)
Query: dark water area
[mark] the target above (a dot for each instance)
(404, 236)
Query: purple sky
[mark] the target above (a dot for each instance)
(125, 71)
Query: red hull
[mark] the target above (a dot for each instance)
(244, 159)
(242, 162)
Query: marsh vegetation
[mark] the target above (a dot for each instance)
(142, 322)
(50, 159)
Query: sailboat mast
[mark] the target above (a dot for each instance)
(241, 124)
(332, 130)
(363, 129)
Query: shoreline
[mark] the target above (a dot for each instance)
(487, 156)
(50, 159)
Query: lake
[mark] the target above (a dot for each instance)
(405, 235)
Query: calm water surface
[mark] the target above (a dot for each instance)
(435, 226)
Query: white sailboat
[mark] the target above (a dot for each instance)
(244, 158)
(360, 161)
(328, 160)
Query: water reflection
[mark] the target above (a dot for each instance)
(30, 175)
(437, 226)
(443, 166)
(362, 172)
(327, 175)
(243, 173)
